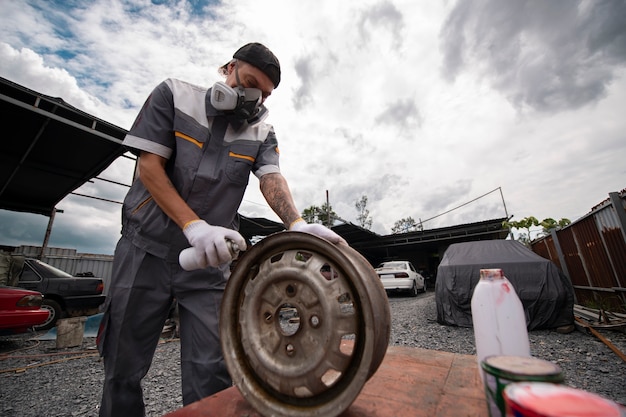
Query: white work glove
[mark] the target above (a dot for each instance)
(316, 229)
(211, 245)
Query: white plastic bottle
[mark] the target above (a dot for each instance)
(498, 318)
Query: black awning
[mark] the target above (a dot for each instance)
(258, 226)
(49, 149)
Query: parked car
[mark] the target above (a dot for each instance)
(20, 310)
(64, 294)
(401, 276)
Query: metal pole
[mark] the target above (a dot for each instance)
(618, 206)
(46, 238)
(506, 213)
(328, 209)
(561, 256)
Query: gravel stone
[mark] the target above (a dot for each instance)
(38, 380)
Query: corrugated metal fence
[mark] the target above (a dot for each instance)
(592, 253)
(73, 263)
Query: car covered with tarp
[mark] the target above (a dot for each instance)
(546, 293)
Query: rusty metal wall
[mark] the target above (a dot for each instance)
(614, 242)
(592, 253)
(545, 248)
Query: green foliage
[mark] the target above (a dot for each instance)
(606, 305)
(525, 223)
(363, 218)
(547, 225)
(316, 214)
(404, 225)
(550, 224)
(309, 214)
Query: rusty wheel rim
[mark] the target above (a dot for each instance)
(304, 324)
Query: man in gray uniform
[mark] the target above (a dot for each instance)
(196, 150)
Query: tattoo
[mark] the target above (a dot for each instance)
(276, 192)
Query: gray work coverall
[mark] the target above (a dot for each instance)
(209, 163)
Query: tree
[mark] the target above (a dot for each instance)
(309, 214)
(526, 223)
(550, 224)
(363, 218)
(404, 225)
(323, 215)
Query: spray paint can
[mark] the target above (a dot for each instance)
(193, 258)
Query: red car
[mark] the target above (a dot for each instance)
(20, 310)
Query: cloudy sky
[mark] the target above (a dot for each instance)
(422, 106)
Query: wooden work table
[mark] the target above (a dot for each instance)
(409, 382)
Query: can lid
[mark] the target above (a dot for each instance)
(551, 400)
(491, 274)
(522, 368)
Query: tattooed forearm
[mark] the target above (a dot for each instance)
(153, 176)
(276, 191)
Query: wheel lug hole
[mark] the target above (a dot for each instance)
(290, 290)
(268, 316)
(290, 349)
(315, 321)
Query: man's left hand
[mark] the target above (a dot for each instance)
(316, 229)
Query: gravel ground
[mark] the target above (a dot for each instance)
(38, 380)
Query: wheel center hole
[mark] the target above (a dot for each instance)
(288, 319)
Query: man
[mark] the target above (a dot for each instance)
(196, 150)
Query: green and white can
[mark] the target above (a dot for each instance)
(499, 371)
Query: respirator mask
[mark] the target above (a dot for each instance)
(243, 103)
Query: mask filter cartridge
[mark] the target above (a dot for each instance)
(224, 97)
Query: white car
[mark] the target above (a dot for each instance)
(401, 276)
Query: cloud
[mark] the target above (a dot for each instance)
(304, 94)
(420, 106)
(402, 113)
(383, 16)
(446, 196)
(548, 56)
(22, 228)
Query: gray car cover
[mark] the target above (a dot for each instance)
(546, 293)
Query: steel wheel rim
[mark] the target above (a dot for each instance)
(338, 343)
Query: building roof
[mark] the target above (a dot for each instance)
(376, 247)
(258, 226)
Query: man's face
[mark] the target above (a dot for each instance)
(250, 77)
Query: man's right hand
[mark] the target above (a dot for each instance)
(211, 242)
